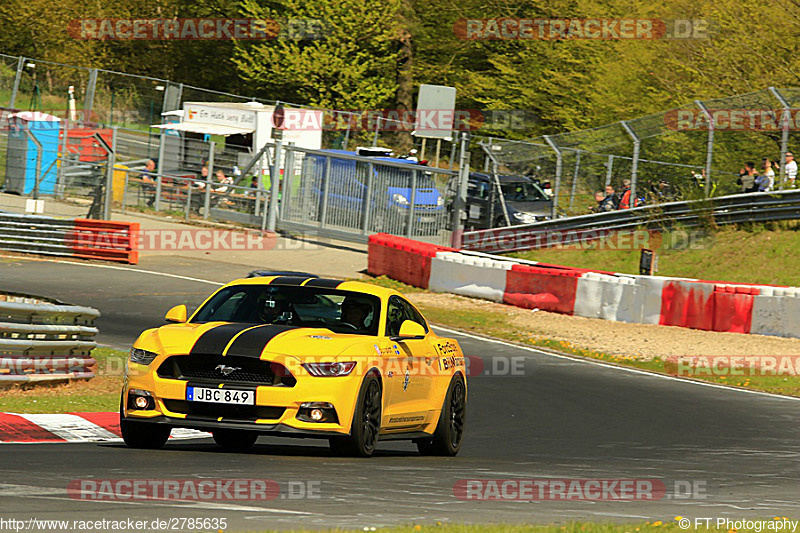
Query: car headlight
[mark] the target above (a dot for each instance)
(524, 217)
(440, 201)
(328, 370)
(142, 357)
(399, 199)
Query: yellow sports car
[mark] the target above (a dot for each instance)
(297, 357)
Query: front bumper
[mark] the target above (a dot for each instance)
(275, 411)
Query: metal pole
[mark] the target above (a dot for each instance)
(412, 204)
(635, 163)
(609, 170)
(62, 167)
(452, 152)
(709, 146)
(188, 201)
(461, 192)
(286, 184)
(784, 132)
(438, 152)
(160, 170)
(88, 99)
(112, 160)
(367, 207)
(17, 76)
(559, 164)
(575, 179)
(323, 212)
(274, 184)
(347, 131)
(487, 158)
(377, 127)
(124, 191)
(36, 176)
(209, 181)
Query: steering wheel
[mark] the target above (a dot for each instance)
(349, 325)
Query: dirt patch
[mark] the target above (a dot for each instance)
(639, 340)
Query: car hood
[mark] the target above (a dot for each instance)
(249, 340)
(539, 207)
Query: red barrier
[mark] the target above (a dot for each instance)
(532, 287)
(733, 308)
(402, 259)
(107, 240)
(687, 304)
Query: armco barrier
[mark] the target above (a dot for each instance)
(547, 289)
(89, 239)
(43, 341)
(466, 275)
(401, 259)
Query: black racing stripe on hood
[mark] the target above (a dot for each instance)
(288, 280)
(251, 343)
(216, 339)
(324, 283)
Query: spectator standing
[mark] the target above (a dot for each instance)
(791, 169)
(203, 176)
(766, 181)
(612, 197)
(625, 199)
(223, 181)
(747, 178)
(149, 182)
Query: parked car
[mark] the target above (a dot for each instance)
(525, 201)
(388, 203)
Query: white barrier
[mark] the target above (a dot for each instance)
(468, 275)
(776, 311)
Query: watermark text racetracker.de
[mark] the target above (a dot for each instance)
(122, 524)
(579, 489)
(582, 29)
(212, 29)
(192, 489)
(733, 365)
(194, 239)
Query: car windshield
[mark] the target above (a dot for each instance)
(522, 191)
(339, 311)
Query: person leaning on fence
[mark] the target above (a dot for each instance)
(203, 177)
(604, 203)
(223, 182)
(149, 182)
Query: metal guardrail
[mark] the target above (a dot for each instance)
(734, 209)
(44, 342)
(113, 241)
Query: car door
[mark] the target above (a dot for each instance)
(409, 388)
(478, 203)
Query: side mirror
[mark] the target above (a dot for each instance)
(177, 314)
(409, 330)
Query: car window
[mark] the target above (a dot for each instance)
(478, 189)
(398, 311)
(291, 305)
(522, 191)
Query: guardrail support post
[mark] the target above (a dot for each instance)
(559, 165)
(635, 162)
(709, 147)
(784, 132)
(575, 178)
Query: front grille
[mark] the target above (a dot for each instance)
(206, 368)
(212, 411)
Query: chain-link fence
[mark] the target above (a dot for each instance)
(694, 151)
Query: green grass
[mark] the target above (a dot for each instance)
(754, 254)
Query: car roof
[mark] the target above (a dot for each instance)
(326, 283)
(502, 177)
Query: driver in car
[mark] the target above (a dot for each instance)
(274, 308)
(355, 312)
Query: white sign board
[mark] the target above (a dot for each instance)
(436, 106)
(220, 116)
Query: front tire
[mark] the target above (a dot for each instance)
(235, 440)
(366, 422)
(449, 432)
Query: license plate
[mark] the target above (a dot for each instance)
(208, 395)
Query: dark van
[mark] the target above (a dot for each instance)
(525, 201)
